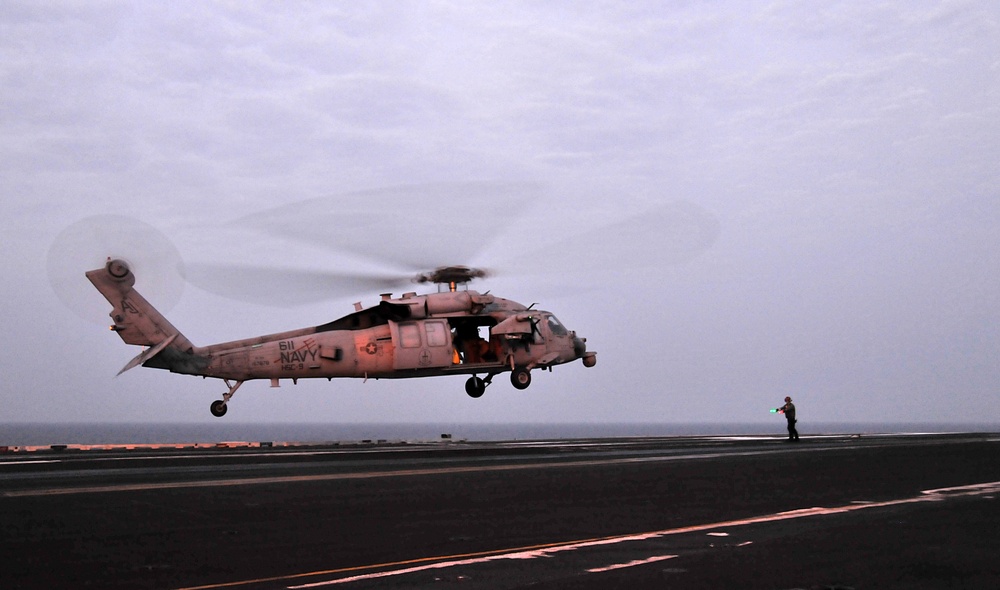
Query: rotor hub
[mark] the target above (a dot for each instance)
(451, 275)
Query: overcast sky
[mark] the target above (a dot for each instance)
(732, 201)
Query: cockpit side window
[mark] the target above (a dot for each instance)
(555, 326)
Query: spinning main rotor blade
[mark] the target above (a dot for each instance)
(664, 235)
(287, 287)
(416, 233)
(409, 228)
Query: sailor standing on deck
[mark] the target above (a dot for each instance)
(789, 411)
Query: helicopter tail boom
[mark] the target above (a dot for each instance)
(135, 320)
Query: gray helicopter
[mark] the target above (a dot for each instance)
(455, 331)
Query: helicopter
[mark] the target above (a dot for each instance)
(454, 331)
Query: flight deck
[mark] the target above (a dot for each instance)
(838, 511)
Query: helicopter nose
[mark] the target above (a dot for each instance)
(580, 350)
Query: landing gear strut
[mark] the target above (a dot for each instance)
(219, 406)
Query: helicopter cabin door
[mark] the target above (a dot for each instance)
(421, 344)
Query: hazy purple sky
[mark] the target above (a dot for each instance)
(845, 156)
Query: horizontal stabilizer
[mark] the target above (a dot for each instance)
(148, 354)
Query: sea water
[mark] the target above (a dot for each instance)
(28, 434)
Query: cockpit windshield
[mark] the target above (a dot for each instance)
(556, 327)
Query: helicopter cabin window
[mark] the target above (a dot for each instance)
(409, 335)
(556, 327)
(437, 334)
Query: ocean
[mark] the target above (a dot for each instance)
(34, 434)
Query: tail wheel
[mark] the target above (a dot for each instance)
(520, 378)
(219, 408)
(475, 387)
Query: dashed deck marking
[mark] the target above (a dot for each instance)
(386, 570)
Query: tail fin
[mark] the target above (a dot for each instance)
(135, 320)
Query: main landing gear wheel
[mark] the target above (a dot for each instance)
(520, 378)
(475, 387)
(219, 408)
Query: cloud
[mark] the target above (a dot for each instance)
(843, 157)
